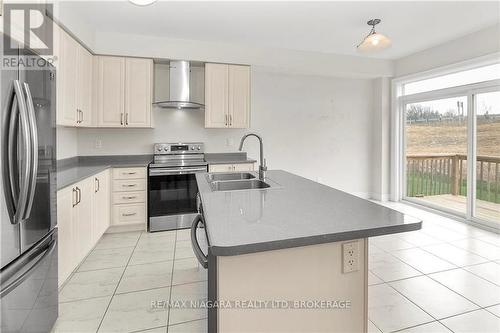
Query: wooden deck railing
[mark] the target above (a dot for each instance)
(447, 174)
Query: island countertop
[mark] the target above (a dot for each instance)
(295, 212)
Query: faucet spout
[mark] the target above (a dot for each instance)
(262, 166)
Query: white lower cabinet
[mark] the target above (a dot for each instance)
(238, 167)
(83, 214)
(129, 197)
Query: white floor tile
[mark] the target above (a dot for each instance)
(422, 260)
(431, 296)
(90, 284)
(373, 279)
(418, 238)
(389, 268)
(454, 254)
(495, 309)
(372, 328)
(146, 276)
(476, 246)
(134, 312)
(390, 311)
(81, 316)
(489, 271)
(112, 241)
(187, 271)
(197, 326)
(106, 258)
(184, 235)
(391, 243)
(441, 233)
(196, 292)
(480, 321)
(151, 255)
(472, 287)
(434, 327)
(183, 249)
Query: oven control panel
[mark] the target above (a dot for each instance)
(179, 148)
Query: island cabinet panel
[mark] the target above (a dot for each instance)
(302, 274)
(238, 167)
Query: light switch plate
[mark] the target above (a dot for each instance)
(350, 257)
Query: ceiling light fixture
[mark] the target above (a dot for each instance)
(373, 41)
(142, 2)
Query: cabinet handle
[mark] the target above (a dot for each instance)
(129, 173)
(126, 118)
(121, 118)
(129, 185)
(75, 197)
(225, 120)
(97, 185)
(129, 198)
(129, 214)
(81, 112)
(77, 116)
(230, 120)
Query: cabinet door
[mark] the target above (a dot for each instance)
(239, 96)
(101, 217)
(84, 91)
(66, 198)
(138, 92)
(216, 95)
(242, 167)
(83, 225)
(111, 90)
(66, 80)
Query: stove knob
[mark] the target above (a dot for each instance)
(199, 148)
(160, 148)
(192, 148)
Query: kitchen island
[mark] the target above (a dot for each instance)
(292, 257)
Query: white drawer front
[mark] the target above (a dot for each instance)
(129, 214)
(129, 197)
(129, 173)
(129, 185)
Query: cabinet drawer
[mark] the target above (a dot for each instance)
(129, 214)
(129, 173)
(129, 185)
(129, 197)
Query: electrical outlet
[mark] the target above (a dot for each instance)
(229, 142)
(350, 257)
(98, 144)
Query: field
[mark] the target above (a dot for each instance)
(451, 139)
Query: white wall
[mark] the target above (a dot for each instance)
(314, 126)
(480, 43)
(67, 142)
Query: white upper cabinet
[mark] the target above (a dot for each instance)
(227, 96)
(84, 87)
(110, 91)
(124, 92)
(239, 96)
(138, 92)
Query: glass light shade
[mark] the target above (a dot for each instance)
(142, 2)
(374, 42)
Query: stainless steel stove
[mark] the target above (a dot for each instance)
(172, 187)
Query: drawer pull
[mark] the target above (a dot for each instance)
(129, 214)
(129, 185)
(129, 173)
(129, 198)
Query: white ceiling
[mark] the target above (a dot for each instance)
(328, 27)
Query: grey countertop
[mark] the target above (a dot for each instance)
(227, 158)
(73, 170)
(298, 212)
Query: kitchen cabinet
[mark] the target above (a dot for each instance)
(83, 215)
(129, 197)
(237, 167)
(74, 82)
(102, 205)
(138, 92)
(227, 96)
(124, 93)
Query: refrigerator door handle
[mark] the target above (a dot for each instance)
(33, 150)
(17, 187)
(21, 278)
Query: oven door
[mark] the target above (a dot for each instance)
(172, 197)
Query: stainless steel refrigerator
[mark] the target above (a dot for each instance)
(28, 253)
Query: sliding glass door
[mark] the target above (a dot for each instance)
(451, 154)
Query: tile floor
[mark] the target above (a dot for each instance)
(443, 278)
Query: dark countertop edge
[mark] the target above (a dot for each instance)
(311, 240)
(228, 158)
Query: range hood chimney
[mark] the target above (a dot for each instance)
(180, 96)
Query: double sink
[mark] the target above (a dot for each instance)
(235, 181)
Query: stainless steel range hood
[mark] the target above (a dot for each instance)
(180, 94)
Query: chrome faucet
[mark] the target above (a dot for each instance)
(262, 166)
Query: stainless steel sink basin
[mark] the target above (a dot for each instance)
(213, 177)
(235, 185)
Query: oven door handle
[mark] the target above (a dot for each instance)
(179, 171)
(202, 258)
